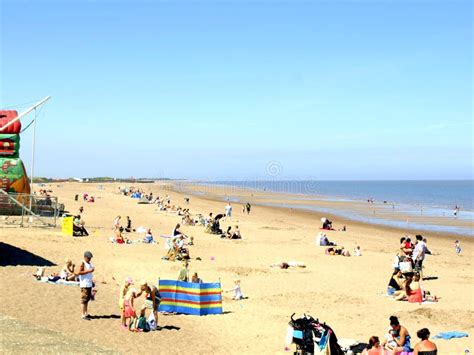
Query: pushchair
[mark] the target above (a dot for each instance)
(308, 334)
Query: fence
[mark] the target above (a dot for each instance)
(29, 210)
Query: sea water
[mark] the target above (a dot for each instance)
(428, 198)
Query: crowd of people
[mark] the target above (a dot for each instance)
(398, 340)
(405, 283)
(407, 275)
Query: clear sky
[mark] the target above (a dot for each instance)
(243, 89)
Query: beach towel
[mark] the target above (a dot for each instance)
(450, 335)
(59, 282)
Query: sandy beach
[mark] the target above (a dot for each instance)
(346, 293)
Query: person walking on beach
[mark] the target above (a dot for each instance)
(456, 211)
(85, 282)
(228, 211)
(248, 207)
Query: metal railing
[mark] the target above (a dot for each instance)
(31, 210)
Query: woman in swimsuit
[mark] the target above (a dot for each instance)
(425, 346)
(398, 339)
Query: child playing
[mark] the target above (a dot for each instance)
(123, 293)
(357, 251)
(141, 324)
(128, 310)
(237, 291)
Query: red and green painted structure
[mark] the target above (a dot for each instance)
(13, 177)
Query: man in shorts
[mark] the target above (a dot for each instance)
(419, 255)
(85, 282)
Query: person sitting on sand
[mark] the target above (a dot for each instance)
(324, 241)
(236, 234)
(237, 291)
(228, 233)
(357, 251)
(374, 347)
(78, 227)
(67, 272)
(425, 346)
(337, 251)
(148, 238)
(141, 324)
(288, 264)
(119, 238)
(344, 252)
(195, 278)
(327, 224)
(176, 231)
(398, 338)
(402, 294)
(396, 282)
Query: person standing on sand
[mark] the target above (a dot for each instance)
(152, 299)
(419, 254)
(248, 207)
(228, 211)
(85, 282)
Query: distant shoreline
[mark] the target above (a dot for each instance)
(376, 214)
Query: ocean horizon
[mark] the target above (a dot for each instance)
(428, 198)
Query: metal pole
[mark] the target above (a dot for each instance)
(33, 148)
(25, 113)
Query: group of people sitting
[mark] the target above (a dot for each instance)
(407, 287)
(213, 224)
(85, 197)
(405, 281)
(178, 245)
(339, 251)
(398, 341)
(66, 273)
(232, 233)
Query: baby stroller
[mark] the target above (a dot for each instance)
(308, 333)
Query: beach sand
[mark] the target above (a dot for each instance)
(346, 293)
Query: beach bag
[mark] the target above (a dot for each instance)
(396, 262)
(151, 322)
(406, 267)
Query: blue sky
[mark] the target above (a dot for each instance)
(229, 89)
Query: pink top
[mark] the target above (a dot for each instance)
(415, 296)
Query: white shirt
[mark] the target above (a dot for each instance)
(419, 252)
(228, 209)
(86, 279)
(238, 293)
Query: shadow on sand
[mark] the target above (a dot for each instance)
(111, 316)
(13, 256)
